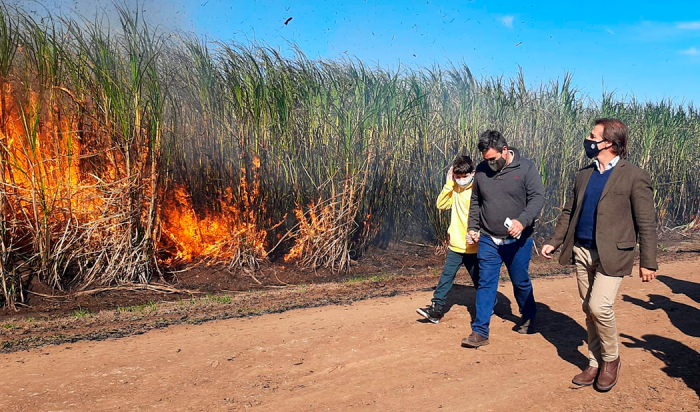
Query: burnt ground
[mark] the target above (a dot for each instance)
(199, 293)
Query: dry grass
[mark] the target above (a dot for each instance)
(125, 150)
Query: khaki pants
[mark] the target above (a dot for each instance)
(598, 292)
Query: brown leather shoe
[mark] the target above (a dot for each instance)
(607, 378)
(474, 341)
(587, 377)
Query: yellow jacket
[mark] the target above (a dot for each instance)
(457, 199)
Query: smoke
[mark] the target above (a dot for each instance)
(170, 16)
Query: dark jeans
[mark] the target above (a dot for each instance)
(447, 279)
(516, 256)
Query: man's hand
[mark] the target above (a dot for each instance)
(547, 251)
(472, 237)
(450, 176)
(516, 228)
(646, 274)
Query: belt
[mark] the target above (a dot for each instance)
(500, 242)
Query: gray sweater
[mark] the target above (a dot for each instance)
(515, 192)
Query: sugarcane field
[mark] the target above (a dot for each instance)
(247, 205)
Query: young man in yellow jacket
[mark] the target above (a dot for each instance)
(455, 195)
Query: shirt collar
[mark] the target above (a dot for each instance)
(609, 166)
(512, 157)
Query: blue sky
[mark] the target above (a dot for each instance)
(647, 49)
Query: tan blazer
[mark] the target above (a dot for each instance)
(625, 216)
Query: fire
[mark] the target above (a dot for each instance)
(323, 233)
(62, 193)
(41, 178)
(60, 177)
(312, 227)
(229, 232)
(370, 228)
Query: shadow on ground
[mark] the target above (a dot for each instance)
(462, 295)
(681, 361)
(679, 286)
(563, 332)
(684, 317)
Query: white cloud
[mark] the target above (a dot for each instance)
(508, 21)
(689, 25)
(693, 51)
(610, 31)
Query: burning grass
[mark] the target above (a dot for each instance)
(227, 235)
(126, 151)
(321, 238)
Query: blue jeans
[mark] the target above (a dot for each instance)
(447, 279)
(516, 256)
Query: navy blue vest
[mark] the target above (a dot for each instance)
(585, 229)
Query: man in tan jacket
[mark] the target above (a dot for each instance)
(610, 211)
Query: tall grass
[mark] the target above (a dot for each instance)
(117, 139)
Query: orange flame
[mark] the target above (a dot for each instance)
(42, 156)
(217, 235)
(370, 228)
(312, 226)
(60, 173)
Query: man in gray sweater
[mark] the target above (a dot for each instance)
(507, 198)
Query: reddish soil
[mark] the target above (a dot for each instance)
(349, 345)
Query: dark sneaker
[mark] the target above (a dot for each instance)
(474, 341)
(526, 326)
(432, 312)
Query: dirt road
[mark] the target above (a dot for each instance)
(377, 355)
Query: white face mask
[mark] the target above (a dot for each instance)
(465, 181)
